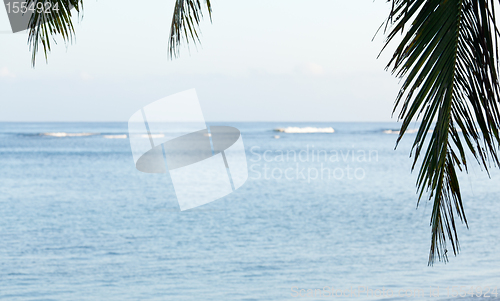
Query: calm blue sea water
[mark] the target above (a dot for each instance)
(79, 222)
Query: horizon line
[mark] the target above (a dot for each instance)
(210, 121)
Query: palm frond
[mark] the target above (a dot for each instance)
(46, 24)
(186, 24)
(448, 59)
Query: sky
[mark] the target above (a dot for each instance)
(280, 60)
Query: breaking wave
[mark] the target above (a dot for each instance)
(305, 130)
(410, 131)
(63, 134)
(115, 136)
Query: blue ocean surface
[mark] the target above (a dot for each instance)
(332, 214)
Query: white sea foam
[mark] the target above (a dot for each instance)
(391, 132)
(63, 134)
(115, 136)
(410, 131)
(305, 130)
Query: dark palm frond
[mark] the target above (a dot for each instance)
(448, 59)
(185, 24)
(46, 24)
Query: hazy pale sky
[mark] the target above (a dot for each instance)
(279, 60)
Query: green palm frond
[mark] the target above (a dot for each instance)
(448, 60)
(45, 25)
(185, 23)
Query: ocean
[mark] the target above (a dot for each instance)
(322, 216)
